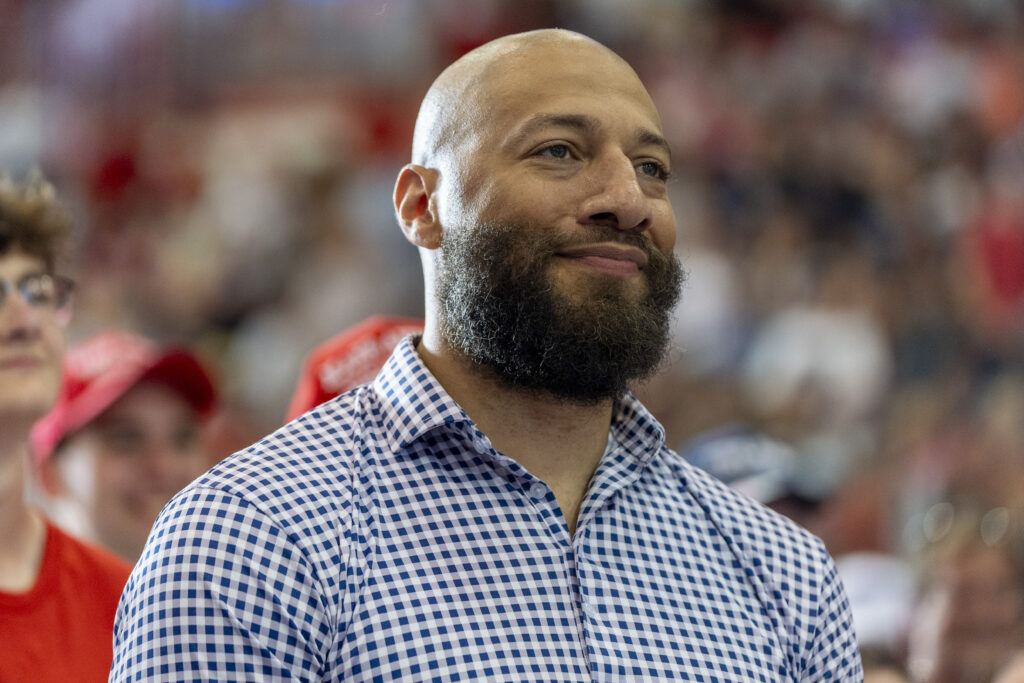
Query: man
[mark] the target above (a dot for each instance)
(496, 505)
(123, 438)
(57, 595)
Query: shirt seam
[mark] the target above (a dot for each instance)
(292, 538)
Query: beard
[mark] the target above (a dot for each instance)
(500, 309)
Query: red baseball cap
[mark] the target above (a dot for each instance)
(347, 360)
(103, 368)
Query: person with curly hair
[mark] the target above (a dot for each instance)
(57, 594)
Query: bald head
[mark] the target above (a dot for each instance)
(467, 92)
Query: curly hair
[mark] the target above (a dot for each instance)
(31, 219)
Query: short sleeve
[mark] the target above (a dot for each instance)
(220, 593)
(833, 654)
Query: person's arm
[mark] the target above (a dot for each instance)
(220, 593)
(833, 654)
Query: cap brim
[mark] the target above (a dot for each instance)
(176, 369)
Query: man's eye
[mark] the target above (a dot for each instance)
(123, 441)
(556, 151)
(653, 169)
(38, 290)
(186, 439)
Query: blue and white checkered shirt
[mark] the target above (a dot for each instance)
(381, 537)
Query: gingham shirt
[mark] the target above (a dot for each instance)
(381, 537)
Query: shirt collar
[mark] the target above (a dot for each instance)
(416, 404)
(635, 430)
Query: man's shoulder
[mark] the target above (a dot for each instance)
(342, 436)
(319, 468)
(786, 572)
(297, 489)
(750, 527)
(317, 448)
(757, 530)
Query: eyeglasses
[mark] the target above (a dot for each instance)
(40, 290)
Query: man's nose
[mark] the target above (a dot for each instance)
(163, 470)
(616, 199)
(18, 319)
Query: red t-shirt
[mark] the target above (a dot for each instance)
(61, 628)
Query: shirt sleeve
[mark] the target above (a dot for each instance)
(220, 593)
(833, 654)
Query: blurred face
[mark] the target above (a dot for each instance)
(556, 266)
(119, 471)
(971, 620)
(31, 345)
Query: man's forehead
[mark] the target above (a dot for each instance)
(504, 82)
(582, 70)
(16, 262)
(551, 65)
(590, 109)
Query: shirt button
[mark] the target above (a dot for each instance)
(538, 491)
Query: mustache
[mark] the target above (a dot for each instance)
(593, 234)
(526, 242)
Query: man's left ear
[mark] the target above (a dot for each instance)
(415, 206)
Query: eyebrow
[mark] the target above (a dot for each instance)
(649, 137)
(583, 124)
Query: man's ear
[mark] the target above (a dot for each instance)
(415, 206)
(49, 477)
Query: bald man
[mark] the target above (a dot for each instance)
(496, 505)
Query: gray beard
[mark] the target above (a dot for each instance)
(501, 311)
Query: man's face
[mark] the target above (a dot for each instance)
(556, 267)
(31, 345)
(119, 470)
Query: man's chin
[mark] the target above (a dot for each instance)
(551, 324)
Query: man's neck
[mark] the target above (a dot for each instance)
(559, 442)
(22, 529)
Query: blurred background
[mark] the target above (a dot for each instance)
(849, 188)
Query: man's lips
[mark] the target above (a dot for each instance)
(20, 361)
(620, 260)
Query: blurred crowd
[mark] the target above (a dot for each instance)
(849, 189)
